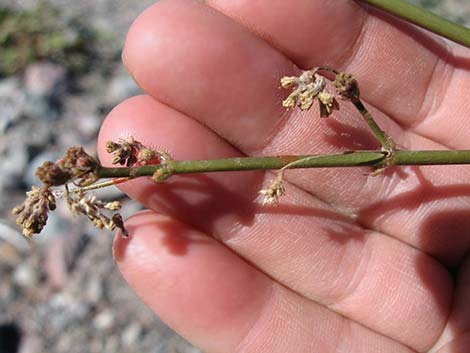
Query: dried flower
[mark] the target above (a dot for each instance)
(124, 152)
(33, 212)
(52, 174)
(309, 85)
(76, 166)
(82, 167)
(88, 205)
(288, 81)
(147, 156)
(274, 192)
(347, 86)
(117, 220)
(328, 103)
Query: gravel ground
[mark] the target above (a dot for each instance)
(61, 292)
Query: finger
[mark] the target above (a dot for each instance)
(228, 78)
(458, 345)
(304, 244)
(459, 319)
(195, 285)
(222, 304)
(407, 73)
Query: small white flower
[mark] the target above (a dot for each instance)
(274, 192)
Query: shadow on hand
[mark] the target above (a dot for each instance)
(214, 207)
(350, 138)
(444, 234)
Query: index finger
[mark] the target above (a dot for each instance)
(396, 64)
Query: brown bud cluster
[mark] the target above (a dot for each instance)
(124, 152)
(33, 212)
(133, 153)
(347, 86)
(76, 166)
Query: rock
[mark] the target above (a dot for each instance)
(121, 87)
(64, 310)
(44, 84)
(88, 125)
(25, 275)
(94, 289)
(40, 108)
(31, 343)
(12, 235)
(13, 164)
(9, 254)
(44, 79)
(104, 320)
(131, 334)
(61, 254)
(12, 100)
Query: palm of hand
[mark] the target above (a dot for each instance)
(348, 262)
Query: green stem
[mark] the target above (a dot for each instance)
(385, 140)
(377, 159)
(424, 19)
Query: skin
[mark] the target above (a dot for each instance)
(348, 262)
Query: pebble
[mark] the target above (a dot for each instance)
(9, 254)
(12, 100)
(25, 275)
(12, 235)
(44, 79)
(44, 84)
(31, 344)
(131, 334)
(94, 289)
(13, 164)
(88, 125)
(121, 87)
(104, 320)
(63, 310)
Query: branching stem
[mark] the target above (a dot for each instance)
(385, 140)
(376, 159)
(101, 185)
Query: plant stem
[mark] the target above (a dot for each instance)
(385, 140)
(101, 185)
(375, 159)
(424, 19)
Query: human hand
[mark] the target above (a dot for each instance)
(348, 262)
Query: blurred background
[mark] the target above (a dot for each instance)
(60, 74)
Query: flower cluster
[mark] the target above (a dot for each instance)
(131, 152)
(124, 152)
(33, 212)
(76, 166)
(274, 192)
(91, 207)
(79, 168)
(306, 88)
